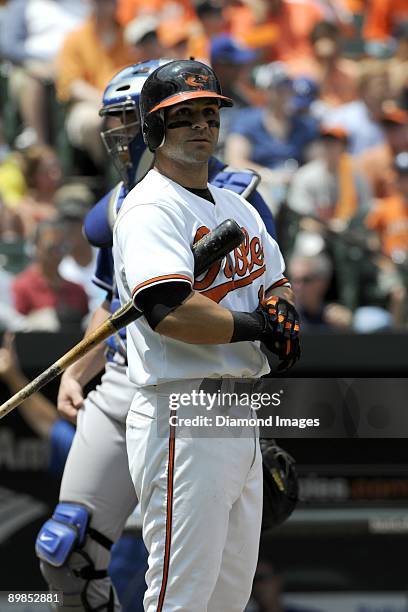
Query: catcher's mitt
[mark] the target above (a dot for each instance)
(280, 484)
(281, 330)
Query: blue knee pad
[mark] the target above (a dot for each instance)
(66, 531)
(62, 533)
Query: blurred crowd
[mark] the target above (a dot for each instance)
(321, 113)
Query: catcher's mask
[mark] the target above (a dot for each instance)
(121, 134)
(171, 84)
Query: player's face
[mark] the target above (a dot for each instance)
(128, 120)
(118, 134)
(192, 130)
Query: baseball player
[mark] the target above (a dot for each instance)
(97, 494)
(200, 498)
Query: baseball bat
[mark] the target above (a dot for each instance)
(211, 248)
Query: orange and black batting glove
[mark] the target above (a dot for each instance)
(281, 330)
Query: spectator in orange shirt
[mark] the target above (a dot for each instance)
(89, 58)
(377, 163)
(177, 21)
(178, 10)
(389, 218)
(382, 19)
(279, 29)
(176, 39)
(337, 77)
(141, 33)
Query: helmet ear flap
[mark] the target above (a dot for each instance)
(153, 130)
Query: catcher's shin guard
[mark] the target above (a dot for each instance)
(67, 547)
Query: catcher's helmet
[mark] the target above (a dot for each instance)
(124, 143)
(171, 84)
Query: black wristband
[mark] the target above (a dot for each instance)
(248, 326)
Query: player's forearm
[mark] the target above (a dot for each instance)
(37, 411)
(198, 320)
(39, 414)
(93, 362)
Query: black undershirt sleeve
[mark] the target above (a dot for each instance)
(158, 301)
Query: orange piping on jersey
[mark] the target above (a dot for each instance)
(218, 293)
(156, 279)
(169, 514)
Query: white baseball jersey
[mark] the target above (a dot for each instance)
(158, 223)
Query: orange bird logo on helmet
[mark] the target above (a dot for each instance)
(199, 81)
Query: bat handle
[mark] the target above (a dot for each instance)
(124, 316)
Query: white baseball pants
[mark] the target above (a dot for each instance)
(201, 505)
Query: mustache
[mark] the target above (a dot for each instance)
(173, 125)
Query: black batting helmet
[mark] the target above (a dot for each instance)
(171, 84)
